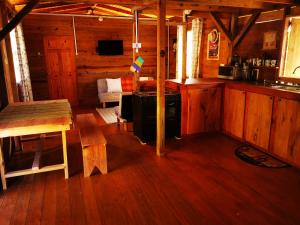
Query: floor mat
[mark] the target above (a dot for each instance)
(108, 115)
(258, 158)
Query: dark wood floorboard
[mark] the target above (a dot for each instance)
(199, 181)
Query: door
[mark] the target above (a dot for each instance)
(61, 69)
(204, 110)
(234, 112)
(285, 136)
(258, 115)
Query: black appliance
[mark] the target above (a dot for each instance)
(110, 47)
(144, 116)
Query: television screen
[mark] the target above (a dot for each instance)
(110, 47)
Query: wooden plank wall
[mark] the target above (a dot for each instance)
(209, 68)
(90, 66)
(252, 45)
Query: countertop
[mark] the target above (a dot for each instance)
(240, 85)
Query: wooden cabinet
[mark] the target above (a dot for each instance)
(61, 69)
(258, 116)
(203, 109)
(234, 108)
(285, 132)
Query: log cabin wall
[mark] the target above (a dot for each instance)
(209, 68)
(90, 66)
(252, 45)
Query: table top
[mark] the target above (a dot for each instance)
(24, 118)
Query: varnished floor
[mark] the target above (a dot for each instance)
(199, 181)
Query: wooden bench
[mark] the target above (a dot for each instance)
(93, 144)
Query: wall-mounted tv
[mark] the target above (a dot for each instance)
(110, 47)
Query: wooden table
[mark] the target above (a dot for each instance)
(37, 117)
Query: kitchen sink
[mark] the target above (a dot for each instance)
(283, 87)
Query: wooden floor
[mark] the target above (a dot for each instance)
(199, 181)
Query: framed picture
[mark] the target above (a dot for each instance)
(213, 45)
(269, 40)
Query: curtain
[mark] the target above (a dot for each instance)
(197, 26)
(21, 65)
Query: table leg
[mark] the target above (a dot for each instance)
(64, 142)
(2, 167)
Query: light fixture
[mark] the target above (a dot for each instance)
(100, 18)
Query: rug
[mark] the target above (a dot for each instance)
(258, 158)
(108, 115)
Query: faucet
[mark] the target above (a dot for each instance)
(296, 69)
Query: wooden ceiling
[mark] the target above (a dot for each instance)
(148, 7)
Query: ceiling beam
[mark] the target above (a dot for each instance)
(113, 10)
(245, 29)
(218, 22)
(195, 4)
(60, 7)
(17, 18)
(70, 10)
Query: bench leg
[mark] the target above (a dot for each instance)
(94, 156)
(64, 143)
(102, 166)
(2, 167)
(104, 104)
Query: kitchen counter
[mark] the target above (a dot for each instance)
(240, 85)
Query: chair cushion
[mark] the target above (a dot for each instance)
(110, 97)
(127, 83)
(114, 85)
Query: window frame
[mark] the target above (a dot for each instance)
(283, 52)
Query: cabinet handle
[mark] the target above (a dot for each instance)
(279, 99)
(271, 98)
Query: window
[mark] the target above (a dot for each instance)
(14, 47)
(290, 65)
(189, 53)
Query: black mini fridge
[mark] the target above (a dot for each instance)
(144, 115)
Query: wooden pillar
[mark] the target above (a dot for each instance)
(136, 75)
(161, 75)
(233, 29)
(6, 67)
(10, 59)
(184, 39)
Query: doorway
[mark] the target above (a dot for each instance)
(61, 69)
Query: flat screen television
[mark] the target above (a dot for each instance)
(110, 47)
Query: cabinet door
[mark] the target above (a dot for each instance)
(285, 133)
(204, 110)
(258, 117)
(234, 111)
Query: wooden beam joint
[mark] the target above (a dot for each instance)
(17, 19)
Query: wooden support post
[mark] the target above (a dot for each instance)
(233, 25)
(245, 29)
(136, 75)
(64, 143)
(161, 74)
(10, 58)
(221, 27)
(184, 39)
(17, 19)
(233, 29)
(2, 166)
(6, 67)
